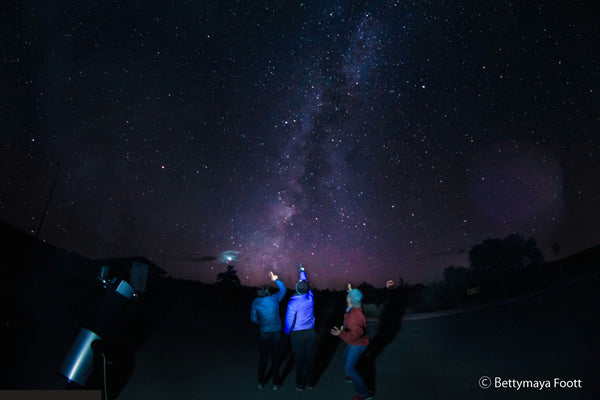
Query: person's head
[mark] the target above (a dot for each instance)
(263, 291)
(302, 287)
(354, 298)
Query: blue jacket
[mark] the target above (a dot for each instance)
(265, 310)
(300, 311)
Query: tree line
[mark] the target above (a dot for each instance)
(498, 268)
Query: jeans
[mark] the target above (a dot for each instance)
(351, 356)
(269, 345)
(304, 345)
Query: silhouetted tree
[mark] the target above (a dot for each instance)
(456, 275)
(514, 251)
(498, 260)
(229, 278)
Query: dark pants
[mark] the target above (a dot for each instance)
(304, 347)
(351, 356)
(269, 345)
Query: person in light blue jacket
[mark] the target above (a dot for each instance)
(265, 313)
(300, 325)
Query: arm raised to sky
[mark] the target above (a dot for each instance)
(279, 295)
(282, 290)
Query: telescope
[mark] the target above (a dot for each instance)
(89, 344)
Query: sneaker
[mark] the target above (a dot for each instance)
(300, 388)
(310, 387)
(347, 379)
(260, 386)
(276, 387)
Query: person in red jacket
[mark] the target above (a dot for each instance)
(354, 333)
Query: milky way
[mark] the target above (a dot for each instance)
(368, 142)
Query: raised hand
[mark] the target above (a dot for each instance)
(273, 276)
(349, 287)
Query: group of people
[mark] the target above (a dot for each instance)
(299, 324)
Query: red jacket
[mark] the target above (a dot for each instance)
(355, 328)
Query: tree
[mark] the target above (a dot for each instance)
(229, 278)
(512, 252)
(455, 276)
(501, 261)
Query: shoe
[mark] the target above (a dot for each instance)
(369, 397)
(300, 388)
(347, 379)
(309, 387)
(260, 386)
(276, 387)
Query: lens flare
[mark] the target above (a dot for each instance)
(229, 256)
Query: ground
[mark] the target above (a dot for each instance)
(209, 351)
(198, 353)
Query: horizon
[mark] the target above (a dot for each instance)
(289, 277)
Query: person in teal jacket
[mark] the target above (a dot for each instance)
(265, 313)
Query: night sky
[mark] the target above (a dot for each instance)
(366, 140)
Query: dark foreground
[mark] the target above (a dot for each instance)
(199, 354)
(208, 351)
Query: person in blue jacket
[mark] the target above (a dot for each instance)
(300, 325)
(265, 313)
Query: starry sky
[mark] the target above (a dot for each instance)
(367, 140)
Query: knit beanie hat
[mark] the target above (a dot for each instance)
(355, 296)
(263, 291)
(302, 287)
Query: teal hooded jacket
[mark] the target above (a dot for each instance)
(265, 310)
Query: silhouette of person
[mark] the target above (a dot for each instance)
(354, 333)
(265, 313)
(300, 325)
